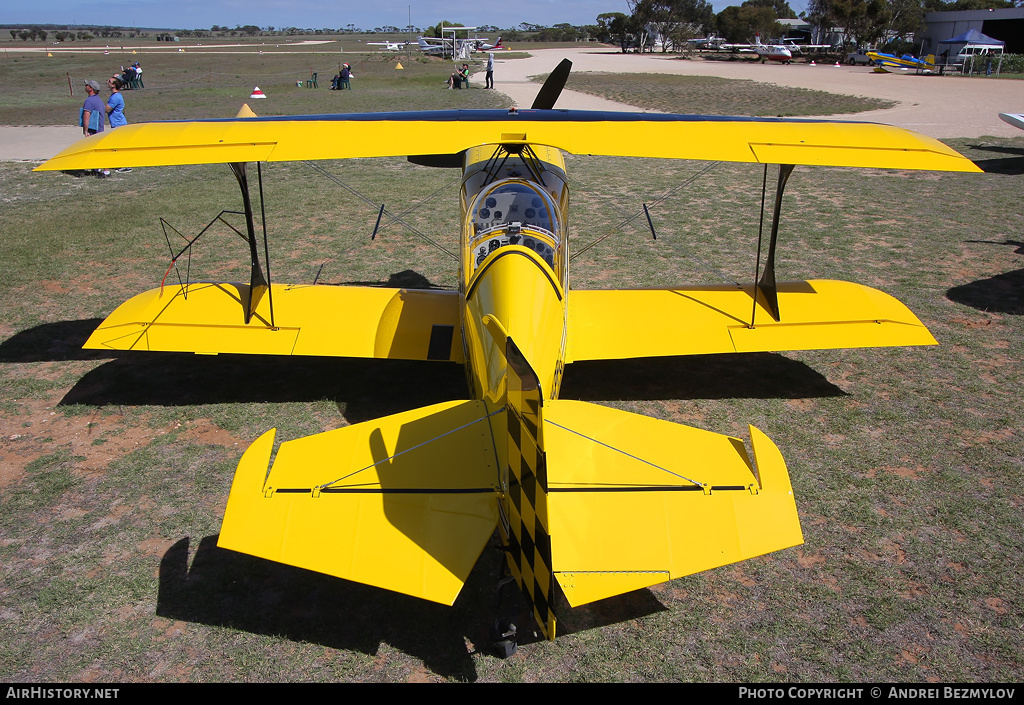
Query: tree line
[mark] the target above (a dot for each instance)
(648, 24)
(857, 22)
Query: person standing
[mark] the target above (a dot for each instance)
(115, 108)
(489, 82)
(115, 104)
(93, 113)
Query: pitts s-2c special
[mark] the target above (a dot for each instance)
(593, 500)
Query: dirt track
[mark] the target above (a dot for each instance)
(938, 106)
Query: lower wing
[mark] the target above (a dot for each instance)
(815, 315)
(340, 321)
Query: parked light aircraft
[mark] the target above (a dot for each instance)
(389, 46)
(709, 42)
(588, 501)
(765, 52)
(799, 49)
(883, 62)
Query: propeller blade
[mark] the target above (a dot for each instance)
(552, 87)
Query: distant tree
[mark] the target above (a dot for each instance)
(863, 21)
(678, 20)
(781, 7)
(906, 18)
(435, 31)
(613, 28)
(641, 16)
(743, 23)
(940, 6)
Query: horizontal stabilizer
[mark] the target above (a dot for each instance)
(336, 321)
(635, 501)
(406, 502)
(816, 315)
(362, 135)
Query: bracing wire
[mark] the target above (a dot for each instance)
(391, 217)
(707, 266)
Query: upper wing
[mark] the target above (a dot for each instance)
(815, 315)
(345, 136)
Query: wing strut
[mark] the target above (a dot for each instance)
(258, 284)
(766, 284)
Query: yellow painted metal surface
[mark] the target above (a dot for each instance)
(369, 322)
(406, 502)
(634, 501)
(761, 141)
(815, 315)
(518, 289)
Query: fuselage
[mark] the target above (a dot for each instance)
(906, 61)
(773, 52)
(514, 264)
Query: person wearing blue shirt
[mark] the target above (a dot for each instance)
(115, 104)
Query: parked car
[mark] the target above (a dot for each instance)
(856, 59)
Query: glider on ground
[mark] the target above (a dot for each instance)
(588, 501)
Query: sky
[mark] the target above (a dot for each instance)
(316, 14)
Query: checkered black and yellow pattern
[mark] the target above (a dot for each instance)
(529, 544)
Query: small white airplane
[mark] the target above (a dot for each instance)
(772, 52)
(482, 45)
(711, 42)
(389, 46)
(798, 49)
(435, 46)
(783, 52)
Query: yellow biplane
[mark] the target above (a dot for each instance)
(587, 500)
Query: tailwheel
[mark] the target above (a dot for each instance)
(503, 639)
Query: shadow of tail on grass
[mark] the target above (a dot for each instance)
(228, 589)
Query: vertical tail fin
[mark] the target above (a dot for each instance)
(525, 508)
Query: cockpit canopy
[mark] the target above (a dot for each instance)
(514, 212)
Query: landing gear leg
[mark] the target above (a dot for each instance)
(503, 633)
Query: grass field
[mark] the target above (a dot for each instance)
(188, 85)
(906, 463)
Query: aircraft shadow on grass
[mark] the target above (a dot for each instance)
(369, 389)
(229, 589)
(1012, 164)
(1003, 293)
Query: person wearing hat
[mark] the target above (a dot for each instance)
(94, 110)
(346, 74)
